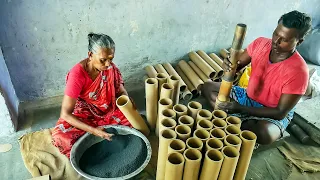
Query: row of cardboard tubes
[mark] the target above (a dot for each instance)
(202, 68)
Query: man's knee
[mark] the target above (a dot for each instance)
(267, 132)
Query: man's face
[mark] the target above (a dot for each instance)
(284, 39)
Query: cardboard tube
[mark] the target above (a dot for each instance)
(233, 129)
(201, 74)
(217, 59)
(194, 143)
(212, 164)
(125, 105)
(166, 136)
(192, 164)
(193, 108)
(190, 86)
(234, 120)
(175, 82)
(171, 71)
(248, 141)
(162, 78)
(214, 143)
(151, 72)
(202, 134)
(191, 75)
(180, 110)
(203, 114)
(176, 145)
(202, 64)
(174, 166)
(212, 63)
(231, 156)
(167, 123)
(160, 69)
(204, 124)
(225, 89)
(217, 133)
(166, 91)
(187, 95)
(219, 123)
(183, 132)
(224, 53)
(232, 140)
(219, 114)
(186, 120)
(163, 104)
(151, 88)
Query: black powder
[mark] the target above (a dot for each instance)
(116, 158)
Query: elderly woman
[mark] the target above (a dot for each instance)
(92, 87)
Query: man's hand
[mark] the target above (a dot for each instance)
(230, 107)
(99, 131)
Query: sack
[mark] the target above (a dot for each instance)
(244, 80)
(310, 47)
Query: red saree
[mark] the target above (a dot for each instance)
(96, 106)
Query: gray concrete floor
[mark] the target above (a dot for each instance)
(11, 163)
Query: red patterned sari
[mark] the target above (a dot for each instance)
(96, 106)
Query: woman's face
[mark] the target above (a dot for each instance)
(102, 59)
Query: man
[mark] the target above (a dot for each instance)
(279, 77)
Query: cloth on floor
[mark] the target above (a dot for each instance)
(41, 157)
(306, 158)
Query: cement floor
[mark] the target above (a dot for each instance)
(12, 166)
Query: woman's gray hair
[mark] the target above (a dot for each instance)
(97, 41)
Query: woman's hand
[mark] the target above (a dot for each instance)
(99, 131)
(133, 104)
(230, 107)
(227, 65)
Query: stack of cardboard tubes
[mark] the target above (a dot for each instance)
(195, 143)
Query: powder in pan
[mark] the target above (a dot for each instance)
(116, 158)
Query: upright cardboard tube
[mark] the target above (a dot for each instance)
(176, 145)
(191, 75)
(217, 59)
(171, 71)
(231, 156)
(125, 105)
(234, 120)
(175, 82)
(228, 77)
(193, 108)
(217, 133)
(201, 134)
(219, 114)
(212, 164)
(232, 140)
(189, 84)
(180, 110)
(192, 164)
(151, 72)
(166, 136)
(233, 129)
(187, 95)
(151, 88)
(219, 123)
(212, 63)
(167, 123)
(174, 166)
(194, 143)
(183, 132)
(160, 69)
(214, 143)
(166, 91)
(203, 114)
(163, 104)
(248, 141)
(224, 53)
(202, 64)
(196, 69)
(204, 124)
(162, 78)
(186, 120)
